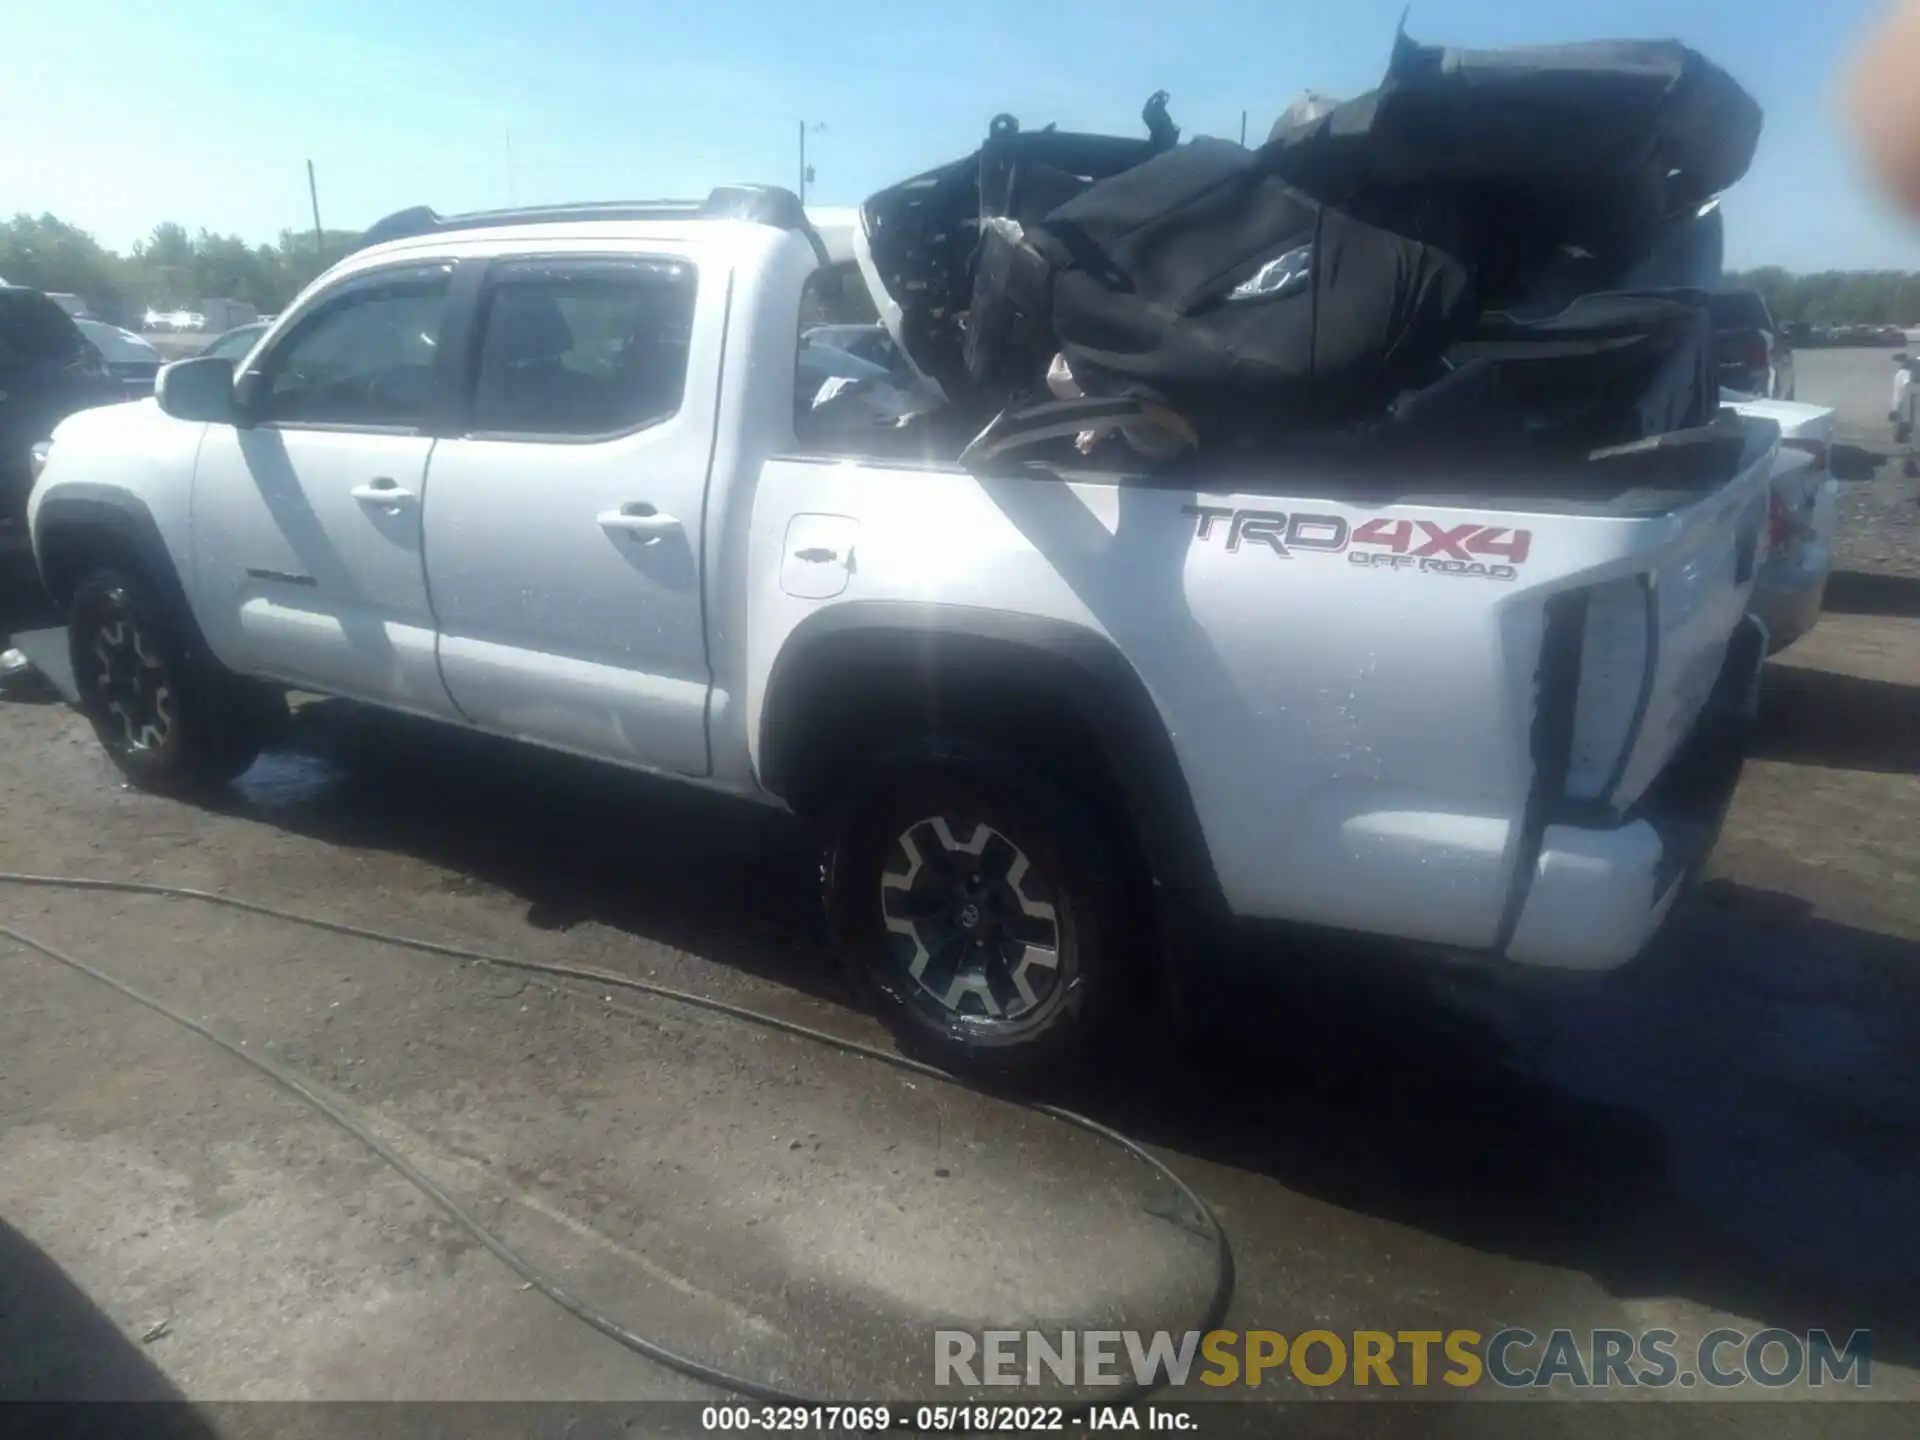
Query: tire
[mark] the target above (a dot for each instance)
(997, 886)
(169, 717)
(1902, 432)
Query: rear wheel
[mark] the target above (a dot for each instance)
(170, 719)
(977, 903)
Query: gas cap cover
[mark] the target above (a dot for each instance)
(818, 556)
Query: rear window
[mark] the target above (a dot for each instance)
(1741, 310)
(583, 349)
(32, 327)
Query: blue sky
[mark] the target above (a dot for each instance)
(205, 111)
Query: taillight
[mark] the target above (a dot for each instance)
(1616, 647)
(1779, 522)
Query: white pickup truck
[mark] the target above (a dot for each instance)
(546, 475)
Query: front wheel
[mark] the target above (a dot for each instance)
(171, 720)
(977, 903)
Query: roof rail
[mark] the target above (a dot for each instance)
(755, 204)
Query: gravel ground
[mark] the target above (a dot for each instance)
(1879, 519)
(1722, 1134)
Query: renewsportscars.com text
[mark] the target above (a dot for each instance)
(1511, 1358)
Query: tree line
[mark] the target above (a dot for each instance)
(172, 270)
(1835, 297)
(168, 270)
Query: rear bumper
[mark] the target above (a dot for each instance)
(1788, 596)
(1599, 894)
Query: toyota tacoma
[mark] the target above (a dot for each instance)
(557, 476)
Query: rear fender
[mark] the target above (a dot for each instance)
(940, 656)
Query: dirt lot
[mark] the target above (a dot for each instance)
(1724, 1134)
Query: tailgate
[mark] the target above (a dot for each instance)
(1670, 623)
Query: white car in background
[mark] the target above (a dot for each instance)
(1900, 411)
(1803, 506)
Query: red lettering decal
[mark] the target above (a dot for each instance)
(1488, 542)
(1445, 542)
(1396, 535)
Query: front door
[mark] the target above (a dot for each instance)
(563, 533)
(307, 520)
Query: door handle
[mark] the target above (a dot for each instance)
(640, 521)
(381, 490)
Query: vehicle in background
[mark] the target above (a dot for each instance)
(1892, 335)
(217, 315)
(646, 544)
(47, 372)
(235, 344)
(1753, 354)
(133, 361)
(1803, 508)
(1900, 414)
(1798, 332)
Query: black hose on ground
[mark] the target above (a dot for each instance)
(639, 1344)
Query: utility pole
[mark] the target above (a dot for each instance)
(806, 171)
(313, 194)
(1243, 127)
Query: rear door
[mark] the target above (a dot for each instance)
(563, 535)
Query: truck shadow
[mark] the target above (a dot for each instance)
(1843, 722)
(1854, 462)
(1854, 592)
(1735, 1120)
(60, 1355)
(578, 843)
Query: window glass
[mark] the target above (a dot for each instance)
(842, 341)
(368, 360)
(1739, 307)
(235, 344)
(583, 349)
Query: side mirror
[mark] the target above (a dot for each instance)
(198, 389)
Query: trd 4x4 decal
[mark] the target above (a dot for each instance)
(1471, 549)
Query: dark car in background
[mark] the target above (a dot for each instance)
(1753, 354)
(134, 363)
(48, 370)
